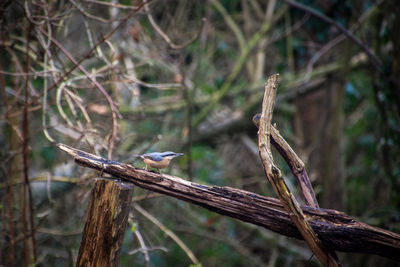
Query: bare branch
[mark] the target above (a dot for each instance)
(165, 36)
(274, 175)
(114, 109)
(371, 55)
(296, 165)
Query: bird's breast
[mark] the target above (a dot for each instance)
(157, 164)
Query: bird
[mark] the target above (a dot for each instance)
(159, 160)
(256, 120)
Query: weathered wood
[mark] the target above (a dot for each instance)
(326, 256)
(337, 230)
(105, 225)
(295, 164)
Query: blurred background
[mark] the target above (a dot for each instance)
(117, 78)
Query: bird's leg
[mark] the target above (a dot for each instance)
(159, 171)
(102, 169)
(146, 168)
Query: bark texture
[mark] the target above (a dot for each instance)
(105, 225)
(326, 256)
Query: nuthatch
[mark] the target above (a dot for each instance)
(256, 120)
(159, 160)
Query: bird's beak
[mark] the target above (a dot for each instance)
(178, 155)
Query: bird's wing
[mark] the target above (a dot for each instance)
(153, 156)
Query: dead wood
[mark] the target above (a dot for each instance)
(326, 256)
(106, 220)
(336, 230)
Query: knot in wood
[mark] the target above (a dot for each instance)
(275, 171)
(299, 166)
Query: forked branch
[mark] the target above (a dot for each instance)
(274, 175)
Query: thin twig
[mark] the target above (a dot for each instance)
(189, 125)
(114, 110)
(231, 24)
(217, 96)
(90, 51)
(47, 56)
(147, 249)
(377, 62)
(10, 179)
(165, 36)
(25, 153)
(42, 178)
(144, 248)
(87, 14)
(35, 74)
(337, 40)
(114, 5)
(168, 232)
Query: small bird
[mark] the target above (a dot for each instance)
(256, 120)
(159, 160)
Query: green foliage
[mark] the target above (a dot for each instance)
(206, 156)
(48, 154)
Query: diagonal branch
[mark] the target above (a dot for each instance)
(274, 175)
(336, 229)
(296, 165)
(377, 62)
(165, 36)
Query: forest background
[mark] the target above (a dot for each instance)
(119, 78)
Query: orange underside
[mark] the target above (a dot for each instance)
(157, 164)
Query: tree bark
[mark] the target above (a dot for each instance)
(105, 225)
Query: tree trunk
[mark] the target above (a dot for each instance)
(105, 225)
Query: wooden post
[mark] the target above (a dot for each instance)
(106, 219)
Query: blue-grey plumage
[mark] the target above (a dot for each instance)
(159, 160)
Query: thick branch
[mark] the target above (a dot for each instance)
(336, 229)
(105, 225)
